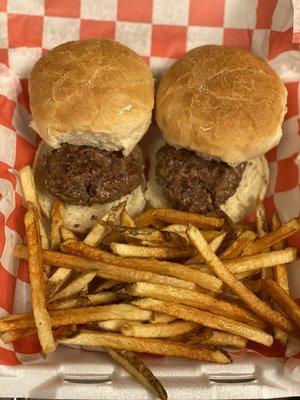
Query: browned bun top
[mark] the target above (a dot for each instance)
(223, 102)
(93, 92)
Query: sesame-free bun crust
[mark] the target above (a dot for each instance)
(222, 102)
(92, 92)
(78, 218)
(253, 186)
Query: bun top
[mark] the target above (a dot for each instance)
(92, 92)
(222, 102)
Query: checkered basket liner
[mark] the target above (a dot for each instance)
(160, 31)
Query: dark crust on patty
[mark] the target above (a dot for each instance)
(84, 175)
(191, 183)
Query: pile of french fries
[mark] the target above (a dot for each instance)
(168, 282)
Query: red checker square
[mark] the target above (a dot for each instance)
(10, 177)
(25, 30)
(3, 168)
(4, 56)
(292, 100)
(25, 152)
(206, 12)
(168, 41)
(3, 5)
(23, 272)
(7, 110)
(287, 174)
(28, 345)
(294, 241)
(97, 29)
(241, 38)
(280, 42)
(269, 206)
(8, 357)
(296, 37)
(264, 13)
(23, 96)
(271, 155)
(135, 10)
(7, 289)
(16, 219)
(66, 8)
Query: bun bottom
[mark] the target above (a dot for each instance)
(253, 186)
(78, 218)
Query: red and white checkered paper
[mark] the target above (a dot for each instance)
(160, 31)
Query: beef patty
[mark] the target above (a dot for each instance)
(85, 175)
(191, 183)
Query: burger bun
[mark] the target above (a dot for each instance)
(91, 92)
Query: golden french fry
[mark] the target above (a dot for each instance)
(84, 301)
(214, 245)
(61, 275)
(280, 270)
(159, 330)
(249, 264)
(107, 284)
(105, 270)
(262, 229)
(171, 216)
(271, 238)
(31, 198)
(206, 319)
(28, 186)
(260, 308)
(151, 235)
(67, 234)
(217, 338)
(238, 246)
(130, 250)
(127, 220)
(282, 298)
(159, 318)
(57, 219)
(140, 232)
(189, 337)
(281, 277)
(185, 272)
(195, 299)
(180, 229)
(262, 225)
(114, 325)
(131, 275)
(132, 364)
(98, 232)
(146, 345)
(11, 336)
(57, 281)
(36, 278)
(77, 316)
(258, 261)
(112, 237)
(74, 287)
